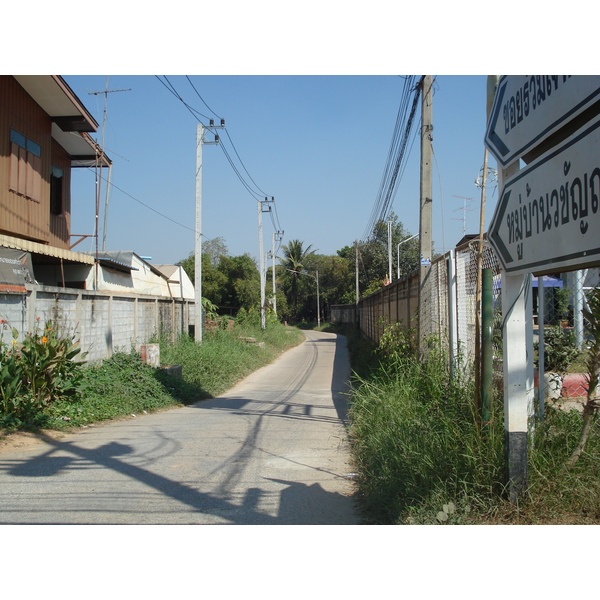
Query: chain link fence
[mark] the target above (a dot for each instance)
(452, 291)
(561, 334)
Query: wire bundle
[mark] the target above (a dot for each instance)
(396, 159)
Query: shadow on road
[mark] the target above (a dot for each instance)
(307, 497)
(298, 502)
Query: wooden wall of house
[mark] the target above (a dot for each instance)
(20, 215)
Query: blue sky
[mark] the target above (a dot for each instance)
(318, 144)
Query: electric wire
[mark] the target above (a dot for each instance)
(171, 88)
(201, 98)
(392, 152)
(195, 113)
(113, 185)
(258, 194)
(391, 187)
(228, 135)
(395, 162)
(241, 162)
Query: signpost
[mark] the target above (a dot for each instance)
(548, 215)
(547, 218)
(528, 109)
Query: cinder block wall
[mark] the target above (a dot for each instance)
(103, 322)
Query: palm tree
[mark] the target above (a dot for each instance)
(294, 260)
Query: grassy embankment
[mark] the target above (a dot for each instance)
(124, 385)
(421, 458)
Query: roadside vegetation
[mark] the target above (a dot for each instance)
(44, 383)
(422, 458)
(233, 282)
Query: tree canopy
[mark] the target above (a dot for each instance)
(233, 282)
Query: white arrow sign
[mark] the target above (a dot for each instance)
(548, 215)
(528, 109)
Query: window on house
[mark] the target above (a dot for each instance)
(25, 166)
(56, 191)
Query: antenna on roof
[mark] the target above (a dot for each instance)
(105, 93)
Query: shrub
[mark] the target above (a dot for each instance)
(560, 348)
(37, 372)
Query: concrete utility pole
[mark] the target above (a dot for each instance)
(356, 270)
(276, 236)
(389, 232)
(198, 313)
(425, 221)
(261, 258)
(318, 301)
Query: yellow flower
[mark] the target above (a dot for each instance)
(44, 340)
(14, 342)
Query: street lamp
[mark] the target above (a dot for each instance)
(412, 237)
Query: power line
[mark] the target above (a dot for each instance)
(259, 193)
(395, 163)
(144, 204)
(227, 133)
(171, 88)
(201, 98)
(195, 114)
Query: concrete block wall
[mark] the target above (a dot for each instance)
(102, 322)
(13, 310)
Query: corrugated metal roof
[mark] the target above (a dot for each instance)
(36, 248)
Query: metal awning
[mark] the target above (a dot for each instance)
(45, 250)
(549, 281)
(119, 260)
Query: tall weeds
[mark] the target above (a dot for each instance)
(415, 440)
(225, 357)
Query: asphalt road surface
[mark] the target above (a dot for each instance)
(273, 450)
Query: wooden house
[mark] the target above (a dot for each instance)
(44, 134)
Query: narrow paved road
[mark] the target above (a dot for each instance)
(272, 450)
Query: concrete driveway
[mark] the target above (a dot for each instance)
(273, 450)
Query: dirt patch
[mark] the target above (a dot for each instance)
(22, 440)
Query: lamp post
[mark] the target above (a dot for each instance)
(412, 237)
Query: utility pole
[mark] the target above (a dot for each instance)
(277, 236)
(426, 201)
(356, 270)
(482, 182)
(389, 231)
(198, 313)
(261, 208)
(318, 301)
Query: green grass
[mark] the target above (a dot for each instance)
(124, 385)
(416, 446)
(224, 357)
(421, 458)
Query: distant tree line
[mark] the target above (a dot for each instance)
(233, 282)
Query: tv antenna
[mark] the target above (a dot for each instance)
(465, 210)
(104, 92)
